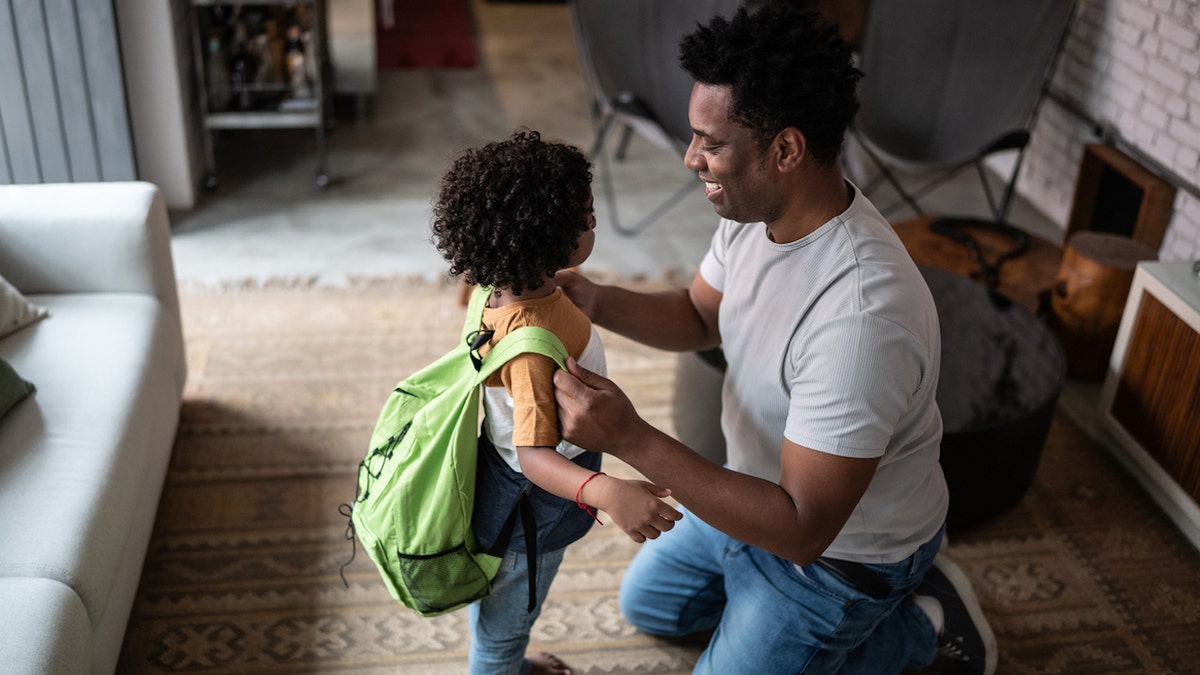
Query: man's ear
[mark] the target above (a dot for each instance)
(791, 148)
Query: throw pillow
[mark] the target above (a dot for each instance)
(15, 311)
(13, 388)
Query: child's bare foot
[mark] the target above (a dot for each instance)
(545, 663)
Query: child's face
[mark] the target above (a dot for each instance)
(587, 240)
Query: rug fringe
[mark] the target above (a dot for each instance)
(669, 278)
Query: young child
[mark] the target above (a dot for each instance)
(510, 215)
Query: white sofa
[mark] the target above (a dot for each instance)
(82, 460)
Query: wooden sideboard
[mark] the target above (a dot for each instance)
(1151, 395)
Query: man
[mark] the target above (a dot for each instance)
(809, 552)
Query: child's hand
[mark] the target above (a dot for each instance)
(635, 506)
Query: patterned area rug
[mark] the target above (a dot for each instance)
(1085, 575)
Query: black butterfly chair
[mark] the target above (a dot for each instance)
(629, 52)
(947, 85)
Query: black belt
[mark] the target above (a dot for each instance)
(857, 575)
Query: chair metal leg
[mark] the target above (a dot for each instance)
(658, 211)
(607, 124)
(911, 197)
(623, 146)
(891, 179)
(1010, 189)
(601, 159)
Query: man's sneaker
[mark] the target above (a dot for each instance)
(966, 636)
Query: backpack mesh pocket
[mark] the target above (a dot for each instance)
(453, 578)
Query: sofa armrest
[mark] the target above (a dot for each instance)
(87, 237)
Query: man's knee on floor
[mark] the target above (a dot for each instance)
(639, 609)
(653, 613)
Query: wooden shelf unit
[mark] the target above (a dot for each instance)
(312, 111)
(1116, 194)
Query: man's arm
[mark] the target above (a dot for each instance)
(674, 320)
(795, 519)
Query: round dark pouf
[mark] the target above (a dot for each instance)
(696, 404)
(1002, 371)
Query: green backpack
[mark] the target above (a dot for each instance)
(416, 486)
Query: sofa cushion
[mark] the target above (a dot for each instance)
(13, 388)
(87, 454)
(53, 634)
(16, 312)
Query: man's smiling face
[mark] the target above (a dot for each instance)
(738, 177)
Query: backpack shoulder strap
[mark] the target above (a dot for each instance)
(527, 339)
(475, 307)
(523, 340)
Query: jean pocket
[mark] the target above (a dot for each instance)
(797, 583)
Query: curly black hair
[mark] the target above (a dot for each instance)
(510, 213)
(786, 67)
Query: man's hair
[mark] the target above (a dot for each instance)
(786, 68)
(511, 212)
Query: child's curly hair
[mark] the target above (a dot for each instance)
(785, 67)
(510, 213)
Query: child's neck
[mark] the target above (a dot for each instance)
(504, 296)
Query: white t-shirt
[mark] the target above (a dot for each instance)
(832, 341)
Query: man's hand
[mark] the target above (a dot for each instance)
(581, 290)
(594, 413)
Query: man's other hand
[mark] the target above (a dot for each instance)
(593, 412)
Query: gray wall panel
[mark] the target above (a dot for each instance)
(20, 149)
(34, 44)
(5, 168)
(73, 92)
(63, 114)
(98, 30)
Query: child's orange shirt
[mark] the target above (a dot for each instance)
(529, 378)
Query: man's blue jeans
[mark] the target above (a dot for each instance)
(501, 621)
(769, 616)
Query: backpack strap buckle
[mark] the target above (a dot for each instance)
(477, 339)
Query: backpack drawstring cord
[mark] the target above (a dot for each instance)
(347, 510)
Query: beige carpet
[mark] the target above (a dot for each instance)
(1085, 575)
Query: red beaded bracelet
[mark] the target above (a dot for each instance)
(590, 511)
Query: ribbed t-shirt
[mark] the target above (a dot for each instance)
(832, 341)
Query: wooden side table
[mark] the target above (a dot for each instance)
(1022, 278)
(1089, 295)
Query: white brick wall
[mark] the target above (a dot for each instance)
(1133, 65)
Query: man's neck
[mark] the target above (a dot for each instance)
(820, 196)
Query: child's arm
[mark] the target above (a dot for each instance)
(634, 505)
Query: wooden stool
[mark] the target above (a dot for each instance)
(1089, 296)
